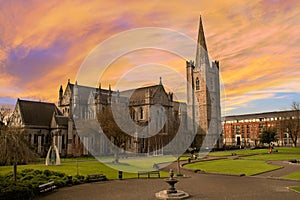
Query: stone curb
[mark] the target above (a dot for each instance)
(257, 174)
(289, 188)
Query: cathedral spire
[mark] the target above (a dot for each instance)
(201, 54)
(201, 37)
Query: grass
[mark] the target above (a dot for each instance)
(273, 156)
(227, 166)
(238, 152)
(92, 166)
(70, 168)
(255, 151)
(288, 149)
(296, 188)
(294, 176)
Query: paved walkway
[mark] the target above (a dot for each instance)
(288, 168)
(199, 186)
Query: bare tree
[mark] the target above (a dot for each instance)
(4, 115)
(291, 122)
(112, 131)
(14, 146)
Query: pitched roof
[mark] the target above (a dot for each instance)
(85, 91)
(61, 120)
(36, 113)
(259, 115)
(138, 95)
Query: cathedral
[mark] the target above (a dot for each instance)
(60, 124)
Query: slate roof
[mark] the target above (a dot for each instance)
(36, 113)
(259, 115)
(85, 91)
(61, 120)
(139, 94)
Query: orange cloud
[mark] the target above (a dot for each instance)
(42, 44)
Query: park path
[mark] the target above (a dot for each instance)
(288, 168)
(198, 185)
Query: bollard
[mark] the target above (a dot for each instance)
(120, 175)
(69, 181)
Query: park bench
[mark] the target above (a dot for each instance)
(96, 177)
(148, 173)
(47, 187)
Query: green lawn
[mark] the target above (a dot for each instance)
(273, 156)
(296, 188)
(255, 151)
(227, 166)
(295, 176)
(92, 166)
(288, 149)
(238, 152)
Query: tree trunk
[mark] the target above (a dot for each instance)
(15, 170)
(178, 165)
(116, 155)
(294, 140)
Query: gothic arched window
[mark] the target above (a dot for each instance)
(141, 113)
(197, 84)
(132, 113)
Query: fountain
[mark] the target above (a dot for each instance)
(171, 193)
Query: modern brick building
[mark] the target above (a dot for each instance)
(245, 130)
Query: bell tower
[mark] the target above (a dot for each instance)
(204, 93)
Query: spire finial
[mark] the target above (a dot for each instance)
(201, 36)
(160, 81)
(201, 55)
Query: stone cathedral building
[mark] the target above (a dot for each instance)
(204, 90)
(47, 122)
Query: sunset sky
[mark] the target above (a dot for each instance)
(43, 44)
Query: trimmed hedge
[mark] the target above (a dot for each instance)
(27, 184)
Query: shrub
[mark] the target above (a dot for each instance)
(47, 172)
(37, 171)
(27, 177)
(59, 174)
(78, 179)
(60, 182)
(26, 171)
(16, 191)
(28, 183)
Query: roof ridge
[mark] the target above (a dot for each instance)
(33, 101)
(145, 87)
(259, 113)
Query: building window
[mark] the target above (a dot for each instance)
(63, 142)
(141, 113)
(29, 138)
(42, 139)
(132, 113)
(35, 139)
(197, 84)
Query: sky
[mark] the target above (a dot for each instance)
(43, 44)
